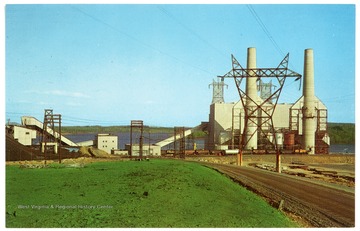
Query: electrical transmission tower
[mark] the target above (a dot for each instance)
(218, 91)
(265, 90)
(259, 114)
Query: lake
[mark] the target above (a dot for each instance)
(124, 138)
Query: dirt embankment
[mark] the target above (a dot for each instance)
(311, 204)
(285, 159)
(18, 152)
(338, 169)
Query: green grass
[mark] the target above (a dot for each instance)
(180, 194)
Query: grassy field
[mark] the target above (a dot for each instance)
(155, 193)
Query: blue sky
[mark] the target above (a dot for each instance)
(110, 64)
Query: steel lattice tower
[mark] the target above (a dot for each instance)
(259, 114)
(218, 91)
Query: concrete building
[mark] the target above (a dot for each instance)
(220, 125)
(226, 122)
(148, 150)
(120, 152)
(106, 142)
(318, 132)
(23, 135)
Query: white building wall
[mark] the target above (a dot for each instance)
(107, 142)
(152, 150)
(297, 107)
(120, 152)
(220, 123)
(24, 135)
(281, 116)
(221, 120)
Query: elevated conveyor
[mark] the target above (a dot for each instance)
(187, 133)
(34, 123)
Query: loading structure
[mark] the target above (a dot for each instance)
(34, 124)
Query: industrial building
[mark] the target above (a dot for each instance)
(106, 142)
(23, 135)
(147, 150)
(257, 121)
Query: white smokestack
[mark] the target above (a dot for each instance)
(309, 111)
(251, 92)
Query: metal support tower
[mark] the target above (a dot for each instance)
(179, 142)
(258, 113)
(265, 89)
(218, 91)
(137, 126)
(49, 133)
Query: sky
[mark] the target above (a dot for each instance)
(110, 64)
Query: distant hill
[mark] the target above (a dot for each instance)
(341, 133)
(111, 129)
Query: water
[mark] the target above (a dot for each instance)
(342, 148)
(124, 138)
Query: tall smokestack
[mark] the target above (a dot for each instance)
(251, 92)
(309, 111)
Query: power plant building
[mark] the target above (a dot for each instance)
(226, 121)
(301, 125)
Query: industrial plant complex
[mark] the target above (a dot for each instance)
(180, 115)
(257, 123)
(276, 149)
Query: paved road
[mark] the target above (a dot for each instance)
(320, 205)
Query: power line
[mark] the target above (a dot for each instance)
(266, 31)
(166, 12)
(68, 119)
(139, 41)
(270, 37)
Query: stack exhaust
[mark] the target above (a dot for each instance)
(309, 110)
(251, 92)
